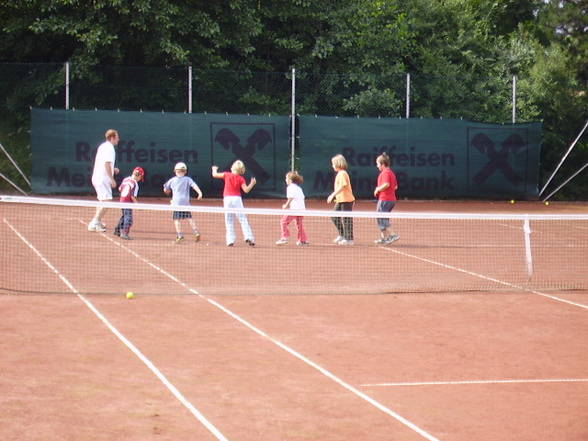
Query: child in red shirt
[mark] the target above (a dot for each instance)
(386, 194)
(129, 189)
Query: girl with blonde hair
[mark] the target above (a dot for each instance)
(344, 200)
(234, 185)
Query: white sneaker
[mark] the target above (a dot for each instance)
(96, 227)
(338, 239)
(282, 242)
(300, 243)
(345, 242)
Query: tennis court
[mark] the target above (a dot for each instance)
(206, 352)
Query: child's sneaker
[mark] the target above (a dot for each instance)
(380, 241)
(197, 237)
(250, 242)
(282, 241)
(338, 239)
(179, 239)
(125, 236)
(345, 242)
(392, 238)
(300, 243)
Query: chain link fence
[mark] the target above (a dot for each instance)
(189, 89)
(194, 90)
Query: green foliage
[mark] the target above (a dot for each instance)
(351, 58)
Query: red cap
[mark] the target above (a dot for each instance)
(140, 171)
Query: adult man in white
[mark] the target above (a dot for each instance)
(103, 177)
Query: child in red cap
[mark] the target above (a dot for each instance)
(129, 188)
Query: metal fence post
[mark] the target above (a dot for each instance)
(189, 89)
(67, 85)
(514, 99)
(407, 95)
(293, 120)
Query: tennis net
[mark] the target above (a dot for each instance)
(46, 248)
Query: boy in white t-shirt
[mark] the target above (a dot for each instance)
(103, 177)
(295, 201)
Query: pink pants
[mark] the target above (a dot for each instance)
(285, 221)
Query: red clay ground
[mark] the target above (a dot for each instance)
(504, 366)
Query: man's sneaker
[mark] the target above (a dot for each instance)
(381, 241)
(179, 239)
(197, 237)
(125, 236)
(300, 243)
(338, 239)
(96, 227)
(345, 242)
(250, 242)
(392, 238)
(282, 241)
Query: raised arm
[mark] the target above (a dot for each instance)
(215, 173)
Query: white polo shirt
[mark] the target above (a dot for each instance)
(104, 154)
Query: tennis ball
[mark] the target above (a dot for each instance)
(130, 295)
(512, 201)
(546, 202)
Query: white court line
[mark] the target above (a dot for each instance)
(174, 390)
(466, 382)
(481, 276)
(283, 346)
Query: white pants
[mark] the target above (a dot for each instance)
(236, 202)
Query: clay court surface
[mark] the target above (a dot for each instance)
(192, 363)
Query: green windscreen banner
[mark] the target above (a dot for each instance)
(431, 158)
(64, 145)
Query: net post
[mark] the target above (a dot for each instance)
(528, 253)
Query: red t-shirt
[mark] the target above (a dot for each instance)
(233, 184)
(387, 175)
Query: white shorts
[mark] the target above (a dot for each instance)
(103, 190)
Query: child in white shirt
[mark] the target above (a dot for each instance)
(295, 201)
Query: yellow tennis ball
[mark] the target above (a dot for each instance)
(512, 201)
(130, 295)
(546, 202)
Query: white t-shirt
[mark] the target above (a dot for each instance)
(104, 154)
(294, 192)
